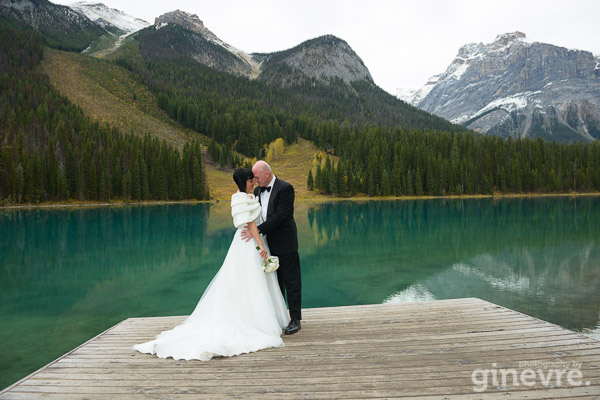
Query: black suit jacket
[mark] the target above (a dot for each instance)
(280, 226)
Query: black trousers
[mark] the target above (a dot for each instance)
(288, 275)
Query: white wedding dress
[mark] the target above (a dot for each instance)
(242, 309)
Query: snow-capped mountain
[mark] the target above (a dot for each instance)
(519, 88)
(109, 17)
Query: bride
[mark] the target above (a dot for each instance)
(242, 309)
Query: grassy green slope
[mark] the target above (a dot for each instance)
(109, 93)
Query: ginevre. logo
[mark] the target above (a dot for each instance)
(547, 373)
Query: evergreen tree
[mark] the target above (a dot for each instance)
(90, 178)
(62, 186)
(144, 189)
(386, 187)
(102, 182)
(37, 179)
(350, 189)
(91, 188)
(161, 182)
(136, 183)
(178, 173)
(418, 183)
(372, 185)
(126, 186)
(19, 184)
(51, 168)
(28, 179)
(408, 184)
(333, 180)
(310, 183)
(326, 177)
(319, 178)
(70, 169)
(342, 188)
(79, 182)
(396, 177)
(197, 178)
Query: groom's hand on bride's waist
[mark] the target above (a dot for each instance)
(246, 236)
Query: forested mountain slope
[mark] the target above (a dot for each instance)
(50, 151)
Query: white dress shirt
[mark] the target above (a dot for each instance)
(264, 199)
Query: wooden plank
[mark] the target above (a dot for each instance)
(564, 394)
(374, 329)
(383, 351)
(423, 320)
(345, 390)
(512, 340)
(425, 336)
(435, 379)
(284, 373)
(374, 351)
(282, 378)
(423, 350)
(350, 365)
(389, 310)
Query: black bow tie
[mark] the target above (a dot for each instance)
(263, 188)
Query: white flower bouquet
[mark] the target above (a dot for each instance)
(271, 263)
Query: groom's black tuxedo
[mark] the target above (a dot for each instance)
(280, 226)
(282, 238)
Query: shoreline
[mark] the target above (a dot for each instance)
(497, 196)
(118, 203)
(115, 203)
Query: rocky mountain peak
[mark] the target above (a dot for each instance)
(501, 45)
(322, 58)
(508, 38)
(188, 21)
(198, 42)
(326, 40)
(515, 87)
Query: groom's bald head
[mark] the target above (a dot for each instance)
(262, 172)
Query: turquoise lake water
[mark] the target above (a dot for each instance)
(66, 275)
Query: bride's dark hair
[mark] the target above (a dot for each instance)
(241, 176)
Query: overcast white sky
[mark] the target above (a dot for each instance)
(402, 43)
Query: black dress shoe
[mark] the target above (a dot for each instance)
(293, 327)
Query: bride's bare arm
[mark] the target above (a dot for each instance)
(254, 232)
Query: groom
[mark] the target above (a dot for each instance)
(276, 198)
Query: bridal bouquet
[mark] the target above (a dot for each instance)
(271, 264)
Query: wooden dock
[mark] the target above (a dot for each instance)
(426, 350)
